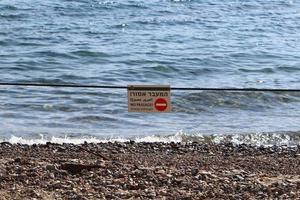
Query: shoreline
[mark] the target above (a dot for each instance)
(289, 138)
(133, 170)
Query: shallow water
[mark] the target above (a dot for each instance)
(181, 43)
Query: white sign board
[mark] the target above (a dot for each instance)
(149, 98)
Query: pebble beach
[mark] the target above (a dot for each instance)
(133, 170)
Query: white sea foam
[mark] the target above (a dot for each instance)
(61, 140)
(164, 139)
(257, 139)
(261, 139)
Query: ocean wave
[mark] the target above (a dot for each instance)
(53, 54)
(83, 53)
(47, 81)
(92, 119)
(122, 5)
(13, 16)
(289, 69)
(254, 139)
(175, 20)
(253, 101)
(8, 7)
(262, 70)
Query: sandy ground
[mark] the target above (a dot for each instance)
(148, 171)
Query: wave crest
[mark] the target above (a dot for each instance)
(254, 139)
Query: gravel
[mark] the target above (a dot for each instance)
(148, 171)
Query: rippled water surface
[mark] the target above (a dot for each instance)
(183, 43)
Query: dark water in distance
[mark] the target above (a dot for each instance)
(196, 43)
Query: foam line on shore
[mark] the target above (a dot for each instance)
(256, 139)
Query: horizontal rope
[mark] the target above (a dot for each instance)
(172, 88)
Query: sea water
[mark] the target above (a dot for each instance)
(182, 43)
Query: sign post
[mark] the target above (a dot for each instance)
(149, 98)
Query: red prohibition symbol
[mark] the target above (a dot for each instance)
(161, 104)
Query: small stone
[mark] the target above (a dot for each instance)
(131, 142)
(161, 171)
(194, 171)
(50, 167)
(178, 181)
(238, 177)
(57, 184)
(61, 149)
(52, 175)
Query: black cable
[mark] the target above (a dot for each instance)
(241, 89)
(61, 85)
(172, 88)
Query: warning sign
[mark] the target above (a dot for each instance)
(149, 98)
